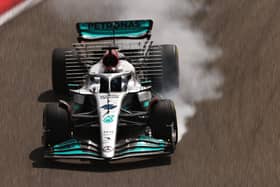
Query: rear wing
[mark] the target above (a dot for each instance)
(128, 29)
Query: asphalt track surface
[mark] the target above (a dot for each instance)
(234, 141)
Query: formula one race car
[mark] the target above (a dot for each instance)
(114, 109)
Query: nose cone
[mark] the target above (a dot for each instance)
(108, 133)
(109, 110)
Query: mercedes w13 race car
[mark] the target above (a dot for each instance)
(113, 79)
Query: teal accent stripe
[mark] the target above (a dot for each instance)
(97, 35)
(70, 84)
(73, 146)
(68, 142)
(152, 139)
(142, 149)
(146, 104)
(146, 82)
(145, 144)
(76, 152)
(142, 146)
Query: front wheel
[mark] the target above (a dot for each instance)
(163, 122)
(56, 124)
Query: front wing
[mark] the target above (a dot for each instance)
(87, 149)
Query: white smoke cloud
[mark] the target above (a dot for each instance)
(172, 25)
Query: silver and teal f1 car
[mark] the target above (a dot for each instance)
(114, 114)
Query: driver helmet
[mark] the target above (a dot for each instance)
(110, 60)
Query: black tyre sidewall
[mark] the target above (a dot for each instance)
(162, 115)
(59, 80)
(170, 67)
(56, 124)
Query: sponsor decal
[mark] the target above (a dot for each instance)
(108, 132)
(109, 97)
(113, 25)
(108, 119)
(107, 138)
(107, 148)
(108, 107)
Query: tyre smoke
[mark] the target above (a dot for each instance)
(172, 25)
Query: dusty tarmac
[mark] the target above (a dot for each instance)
(233, 141)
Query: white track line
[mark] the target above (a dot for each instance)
(17, 10)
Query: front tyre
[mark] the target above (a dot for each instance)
(56, 124)
(163, 122)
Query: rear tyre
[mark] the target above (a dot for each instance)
(163, 122)
(56, 124)
(59, 81)
(170, 65)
